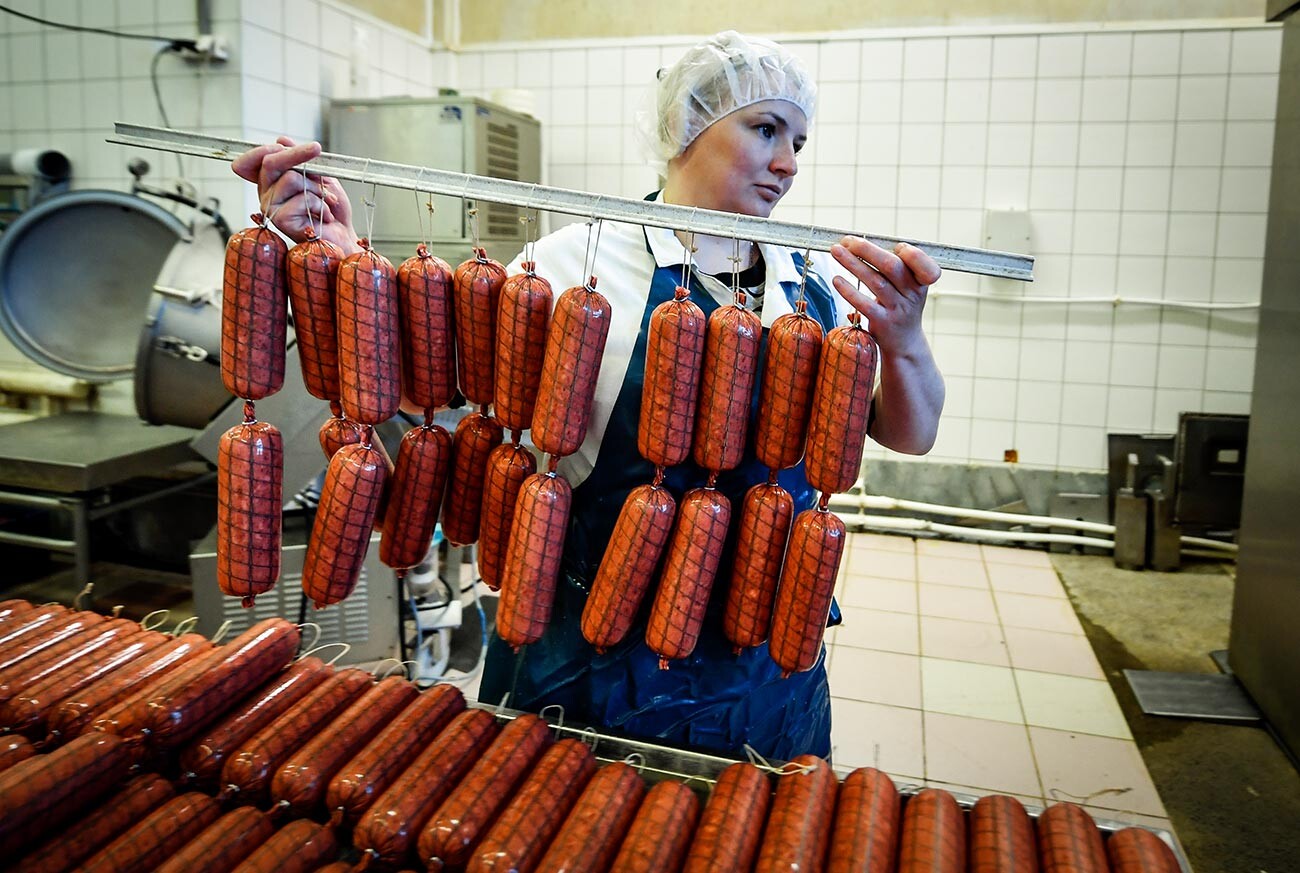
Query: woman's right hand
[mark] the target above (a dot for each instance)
(286, 195)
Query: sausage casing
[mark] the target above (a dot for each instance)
(477, 297)
(673, 357)
(934, 834)
(299, 847)
(1001, 837)
(254, 312)
(533, 558)
(345, 517)
(311, 268)
(475, 438)
(428, 339)
(786, 391)
(14, 749)
(370, 367)
(575, 345)
(590, 837)
(524, 313)
(157, 836)
(837, 428)
(799, 826)
(1069, 841)
(765, 517)
(507, 467)
(660, 835)
(339, 431)
(865, 835)
(640, 534)
(223, 844)
(250, 507)
(727, 386)
(1136, 850)
(803, 599)
(414, 495)
(732, 824)
(688, 575)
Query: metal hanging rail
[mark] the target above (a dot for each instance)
(542, 197)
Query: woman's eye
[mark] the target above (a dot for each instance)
(767, 130)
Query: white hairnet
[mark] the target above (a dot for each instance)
(724, 73)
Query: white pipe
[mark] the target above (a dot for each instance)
(1112, 301)
(886, 522)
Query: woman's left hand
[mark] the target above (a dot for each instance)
(898, 280)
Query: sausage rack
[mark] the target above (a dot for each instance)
(1005, 265)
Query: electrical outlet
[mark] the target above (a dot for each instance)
(209, 47)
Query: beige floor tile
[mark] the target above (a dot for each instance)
(963, 641)
(948, 601)
(1010, 555)
(888, 738)
(883, 564)
(975, 690)
(1039, 613)
(1017, 579)
(876, 629)
(1048, 652)
(949, 549)
(892, 595)
(1070, 703)
(876, 677)
(991, 755)
(883, 543)
(939, 570)
(1123, 819)
(1101, 772)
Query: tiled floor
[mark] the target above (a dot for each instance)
(965, 666)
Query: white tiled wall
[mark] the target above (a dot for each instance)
(1141, 155)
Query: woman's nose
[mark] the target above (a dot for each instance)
(785, 160)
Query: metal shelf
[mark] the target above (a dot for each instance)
(596, 206)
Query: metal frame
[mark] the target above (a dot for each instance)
(1004, 265)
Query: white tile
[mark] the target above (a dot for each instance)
(1108, 771)
(1153, 99)
(1058, 100)
(1051, 231)
(1248, 144)
(1256, 51)
(1230, 370)
(809, 53)
(924, 58)
(1098, 188)
(1130, 409)
(996, 399)
(1006, 188)
(1144, 233)
(1070, 703)
(1087, 362)
(969, 57)
(263, 51)
(833, 186)
(604, 66)
(604, 106)
(1226, 402)
(955, 355)
(964, 144)
(1146, 188)
(1139, 275)
(1172, 403)
(1133, 364)
(975, 690)
(1105, 100)
(918, 186)
(1042, 359)
(1191, 233)
(835, 144)
(888, 738)
(880, 101)
(140, 13)
(953, 440)
(1096, 233)
(1188, 278)
(1038, 443)
(1149, 144)
(1202, 98)
(1205, 52)
(1060, 55)
(877, 144)
(876, 186)
(1011, 100)
(963, 226)
(840, 61)
(1009, 144)
(1138, 324)
(1241, 236)
(1015, 56)
(62, 56)
(999, 321)
(882, 59)
(1156, 54)
(1181, 367)
(1091, 275)
(1038, 402)
(962, 187)
(837, 103)
(1056, 145)
(1108, 54)
(1082, 448)
(990, 440)
(919, 99)
(27, 57)
(571, 104)
(1238, 280)
(967, 100)
(28, 108)
(1195, 189)
(1244, 189)
(876, 677)
(1101, 144)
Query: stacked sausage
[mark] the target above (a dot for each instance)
(287, 765)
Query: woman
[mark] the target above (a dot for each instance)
(731, 117)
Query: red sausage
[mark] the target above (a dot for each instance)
(66, 850)
(803, 599)
(250, 506)
(533, 558)
(157, 837)
(765, 517)
(1001, 837)
(798, 830)
(1136, 850)
(1069, 841)
(373, 769)
(129, 717)
(300, 783)
(201, 762)
(45, 636)
(370, 367)
(688, 575)
(31, 625)
(590, 838)
(660, 834)
(478, 284)
(673, 356)
(339, 431)
(13, 610)
(575, 345)
(458, 825)
(183, 707)
(13, 750)
(312, 268)
(254, 312)
(628, 565)
(520, 836)
(525, 311)
(222, 844)
(249, 771)
(414, 495)
(730, 367)
(786, 391)
(298, 847)
(428, 338)
(865, 836)
(476, 436)
(934, 834)
(43, 792)
(345, 517)
(59, 660)
(841, 406)
(507, 467)
(388, 831)
(732, 825)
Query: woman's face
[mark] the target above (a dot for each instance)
(744, 162)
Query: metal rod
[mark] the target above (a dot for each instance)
(1006, 265)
